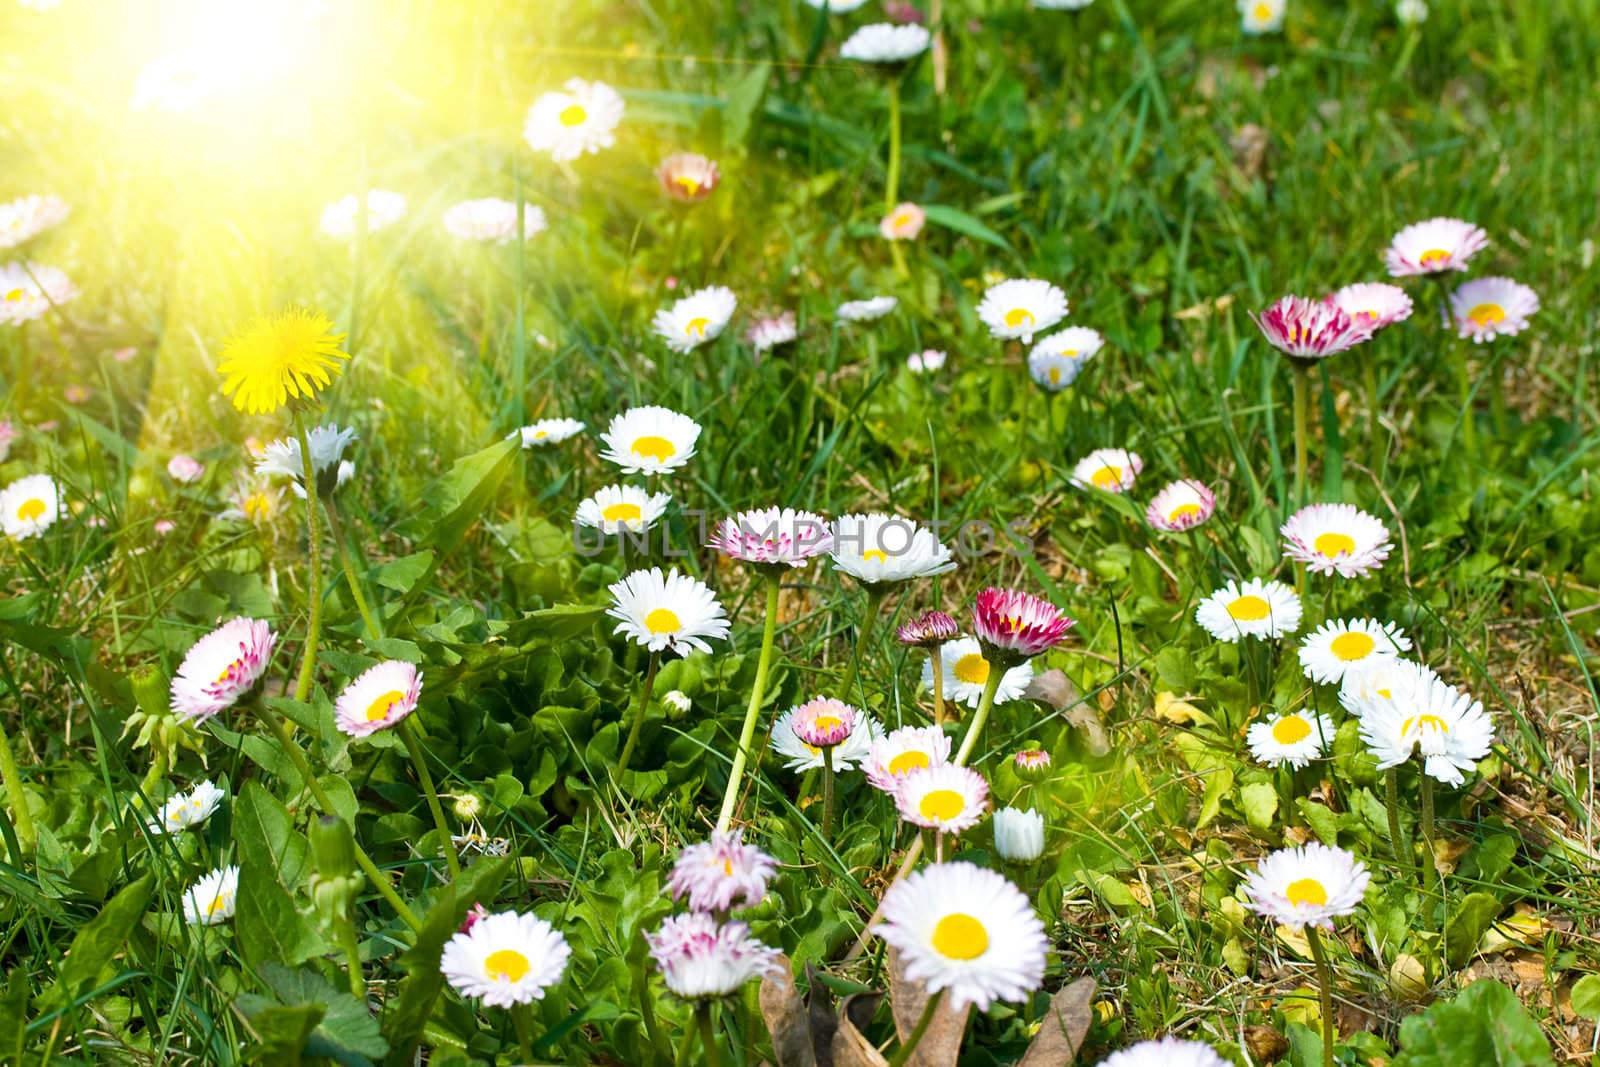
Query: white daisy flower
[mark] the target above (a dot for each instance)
(28, 291)
(1018, 835)
(946, 798)
(379, 698)
(187, 809)
(622, 507)
(697, 318)
(493, 220)
(1021, 307)
(678, 701)
(1111, 469)
(1056, 361)
(837, 7)
(650, 440)
(1434, 246)
(30, 505)
(876, 548)
(1262, 16)
(1337, 647)
(1380, 677)
(1373, 304)
(1307, 886)
(1411, 12)
(1430, 716)
(770, 331)
(1166, 1052)
(26, 218)
(1181, 505)
(221, 668)
(281, 459)
(925, 362)
(847, 755)
(667, 612)
(581, 117)
(885, 42)
(1295, 738)
(965, 672)
(866, 310)
(547, 432)
(904, 750)
(1250, 609)
(505, 959)
(341, 219)
(700, 957)
(1061, 5)
(1336, 538)
(966, 930)
(1486, 308)
(211, 900)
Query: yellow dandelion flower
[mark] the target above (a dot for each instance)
(279, 357)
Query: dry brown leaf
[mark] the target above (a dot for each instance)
(1065, 1025)
(850, 1048)
(941, 1044)
(1265, 1044)
(1054, 688)
(786, 1017)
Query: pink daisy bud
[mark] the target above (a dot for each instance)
(1013, 626)
(185, 469)
(1306, 329)
(928, 629)
(688, 177)
(904, 223)
(824, 722)
(1032, 764)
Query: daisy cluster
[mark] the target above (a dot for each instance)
(703, 953)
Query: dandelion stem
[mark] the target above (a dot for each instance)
(758, 690)
(908, 1048)
(874, 602)
(308, 661)
(936, 661)
(419, 760)
(1324, 991)
(991, 685)
(638, 713)
(21, 819)
(336, 531)
(1391, 801)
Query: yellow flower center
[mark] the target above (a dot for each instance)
(14, 295)
(1290, 729)
(1184, 511)
(697, 327)
(1055, 375)
(1487, 314)
(941, 804)
(688, 183)
(1352, 646)
(257, 506)
(972, 669)
(506, 964)
(662, 621)
(31, 509)
(908, 761)
(1433, 256)
(959, 936)
(1306, 891)
(727, 867)
(1423, 722)
(1333, 544)
(827, 723)
(876, 555)
(1249, 608)
(1107, 477)
(218, 903)
(1370, 316)
(622, 513)
(1019, 316)
(379, 709)
(653, 447)
(226, 671)
(902, 220)
(1263, 12)
(573, 115)
(540, 433)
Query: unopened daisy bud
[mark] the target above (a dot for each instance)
(150, 689)
(1032, 765)
(334, 878)
(676, 700)
(928, 630)
(1018, 835)
(824, 722)
(467, 806)
(688, 177)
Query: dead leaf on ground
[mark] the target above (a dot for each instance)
(1065, 1025)
(941, 1044)
(1054, 688)
(849, 1047)
(787, 1018)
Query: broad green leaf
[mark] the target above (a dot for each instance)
(344, 1031)
(1259, 802)
(403, 573)
(955, 219)
(456, 500)
(272, 862)
(1485, 1026)
(1218, 784)
(1586, 997)
(14, 1015)
(100, 939)
(1468, 920)
(744, 99)
(284, 1030)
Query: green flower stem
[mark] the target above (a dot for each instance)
(350, 944)
(1302, 408)
(758, 691)
(638, 713)
(891, 185)
(1325, 992)
(936, 661)
(904, 1053)
(1391, 801)
(408, 733)
(827, 793)
(875, 594)
(708, 1035)
(1430, 868)
(379, 879)
(308, 661)
(991, 685)
(522, 1017)
(21, 819)
(336, 531)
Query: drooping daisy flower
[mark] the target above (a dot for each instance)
(26, 218)
(688, 177)
(1181, 505)
(671, 611)
(650, 440)
(252, 501)
(547, 432)
(904, 223)
(924, 362)
(1018, 835)
(1339, 646)
(505, 959)
(1295, 738)
(29, 290)
(1306, 329)
(773, 537)
(1336, 538)
(944, 797)
(966, 930)
(1012, 626)
(277, 357)
(910, 748)
(699, 957)
(29, 506)
(187, 809)
(1430, 716)
(616, 508)
(770, 331)
(282, 459)
(1111, 469)
(581, 117)
(721, 873)
(222, 667)
(1032, 764)
(1250, 609)
(1434, 246)
(1373, 304)
(1486, 308)
(802, 755)
(1307, 886)
(342, 218)
(965, 672)
(875, 307)
(1380, 677)
(383, 695)
(1056, 361)
(928, 629)
(185, 470)
(1167, 1052)
(1021, 307)
(211, 900)
(697, 318)
(1262, 16)
(884, 42)
(492, 220)
(876, 548)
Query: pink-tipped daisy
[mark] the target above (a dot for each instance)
(382, 696)
(1336, 539)
(1373, 304)
(774, 537)
(770, 331)
(910, 748)
(1013, 626)
(688, 177)
(1031, 764)
(1111, 469)
(1434, 246)
(700, 957)
(721, 873)
(1486, 308)
(1306, 329)
(944, 797)
(823, 722)
(903, 223)
(220, 668)
(1182, 505)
